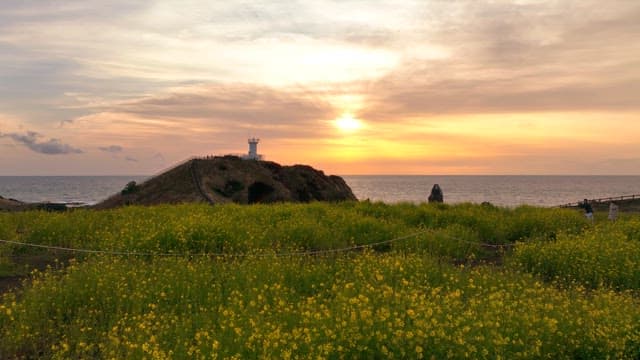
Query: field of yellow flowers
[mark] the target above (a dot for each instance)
(462, 281)
(606, 256)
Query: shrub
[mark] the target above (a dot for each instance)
(130, 188)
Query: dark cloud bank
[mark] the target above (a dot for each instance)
(49, 147)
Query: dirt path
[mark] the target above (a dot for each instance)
(23, 265)
(8, 283)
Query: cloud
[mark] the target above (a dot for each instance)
(235, 108)
(517, 57)
(144, 73)
(50, 147)
(158, 157)
(48, 90)
(112, 148)
(402, 96)
(481, 56)
(115, 150)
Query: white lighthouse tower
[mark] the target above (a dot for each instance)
(253, 150)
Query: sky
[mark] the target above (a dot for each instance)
(97, 87)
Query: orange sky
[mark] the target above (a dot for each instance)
(351, 87)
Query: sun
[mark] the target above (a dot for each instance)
(347, 123)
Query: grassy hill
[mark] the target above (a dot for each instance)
(226, 179)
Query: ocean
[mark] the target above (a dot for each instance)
(499, 190)
(505, 190)
(63, 189)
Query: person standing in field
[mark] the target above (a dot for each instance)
(613, 211)
(588, 209)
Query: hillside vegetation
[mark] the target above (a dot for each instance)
(230, 179)
(347, 280)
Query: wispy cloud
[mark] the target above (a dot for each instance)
(229, 108)
(49, 147)
(418, 57)
(518, 57)
(112, 148)
(158, 157)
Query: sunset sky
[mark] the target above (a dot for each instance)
(97, 87)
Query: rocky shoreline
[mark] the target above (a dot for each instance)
(17, 205)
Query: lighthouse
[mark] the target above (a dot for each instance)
(253, 150)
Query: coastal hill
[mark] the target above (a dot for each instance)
(225, 179)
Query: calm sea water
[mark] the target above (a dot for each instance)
(499, 190)
(64, 189)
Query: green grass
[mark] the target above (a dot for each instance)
(283, 227)
(607, 255)
(405, 299)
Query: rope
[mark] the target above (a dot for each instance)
(295, 253)
(62, 248)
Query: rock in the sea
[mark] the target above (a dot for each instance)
(224, 179)
(436, 194)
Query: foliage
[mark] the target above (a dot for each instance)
(288, 227)
(607, 255)
(260, 298)
(366, 306)
(130, 188)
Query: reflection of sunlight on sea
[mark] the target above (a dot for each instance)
(499, 190)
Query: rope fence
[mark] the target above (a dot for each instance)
(241, 255)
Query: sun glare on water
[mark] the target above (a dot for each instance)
(347, 123)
